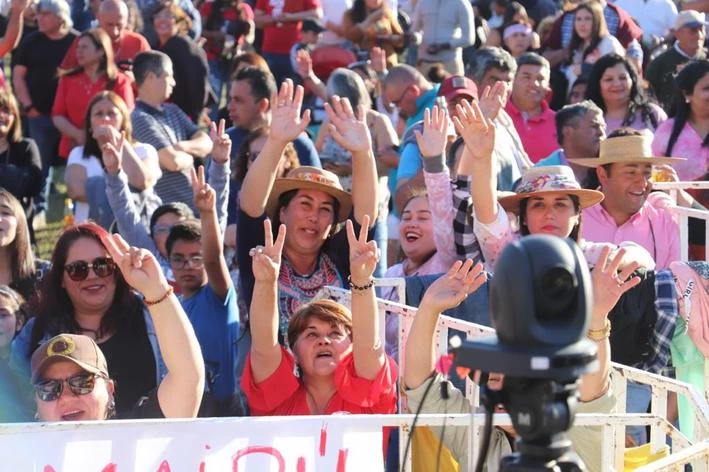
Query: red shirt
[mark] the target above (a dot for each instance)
(538, 134)
(125, 49)
(284, 394)
(280, 40)
(74, 94)
(229, 13)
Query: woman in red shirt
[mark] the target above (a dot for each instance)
(337, 362)
(96, 72)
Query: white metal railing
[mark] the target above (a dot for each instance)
(685, 213)
(614, 425)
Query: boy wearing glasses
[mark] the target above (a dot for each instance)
(194, 249)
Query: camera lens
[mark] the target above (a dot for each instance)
(558, 290)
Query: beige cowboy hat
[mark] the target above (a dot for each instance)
(549, 180)
(306, 177)
(625, 149)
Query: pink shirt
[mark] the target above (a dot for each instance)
(654, 227)
(538, 133)
(688, 145)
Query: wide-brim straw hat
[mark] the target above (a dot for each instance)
(626, 149)
(313, 178)
(549, 180)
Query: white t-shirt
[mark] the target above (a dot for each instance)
(93, 167)
(655, 17)
(333, 11)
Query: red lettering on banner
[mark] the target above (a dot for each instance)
(164, 467)
(49, 468)
(300, 465)
(110, 468)
(342, 460)
(271, 451)
(201, 466)
(323, 440)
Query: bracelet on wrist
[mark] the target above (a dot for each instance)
(600, 334)
(360, 288)
(168, 292)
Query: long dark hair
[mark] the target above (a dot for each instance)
(91, 148)
(55, 310)
(600, 29)
(575, 232)
(107, 65)
(8, 103)
(638, 100)
(22, 261)
(681, 111)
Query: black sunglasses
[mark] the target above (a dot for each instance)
(79, 270)
(80, 384)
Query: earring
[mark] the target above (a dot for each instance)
(297, 372)
(36, 416)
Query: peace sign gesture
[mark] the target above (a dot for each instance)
(221, 141)
(112, 154)
(286, 123)
(204, 195)
(477, 131)
(138, 266)
(266, 259)
(364, 254)
(449, 290)
(608, 284)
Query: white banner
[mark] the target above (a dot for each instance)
(267, 444)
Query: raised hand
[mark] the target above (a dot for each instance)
(348, 130)
(112, 153)
(138, 266)
(266, 259)
(432, 143)
(304, 63)
(286, 122)
(477, 131)
(105, 133)
(205, 197)
(492, 99)
(364, 254)
(222, 142)
(608, 284)
(449, 290)
(378, 60)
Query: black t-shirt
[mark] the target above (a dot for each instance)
(42, 56)
(146, 407)
(131, 364)
(21, 170)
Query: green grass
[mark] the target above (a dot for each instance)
(47, 236)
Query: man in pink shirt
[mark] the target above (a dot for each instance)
(530, 113)
(629, 212)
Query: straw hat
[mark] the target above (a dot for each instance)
(306, 177)
(625, 149)
(549, 180)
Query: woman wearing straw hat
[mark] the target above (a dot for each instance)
(549, 200)
(310, 202)
(629, 212)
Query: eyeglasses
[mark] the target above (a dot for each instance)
(79, 270)
(403, 94)
(162, 228)
(179, 262)
(80, 384)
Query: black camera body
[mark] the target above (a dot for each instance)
(540, 305)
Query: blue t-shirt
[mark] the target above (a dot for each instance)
(216, 324)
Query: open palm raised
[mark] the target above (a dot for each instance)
(286, 122)
(348, 130)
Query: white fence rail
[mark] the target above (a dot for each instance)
(614, 425)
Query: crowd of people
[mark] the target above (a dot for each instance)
(226, 160)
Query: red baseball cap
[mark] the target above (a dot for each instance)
(458, 85)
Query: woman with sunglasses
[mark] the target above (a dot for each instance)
(72, 378)
(84, 293)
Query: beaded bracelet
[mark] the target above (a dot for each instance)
(369, 285)
(168, 292)
(600, 334)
